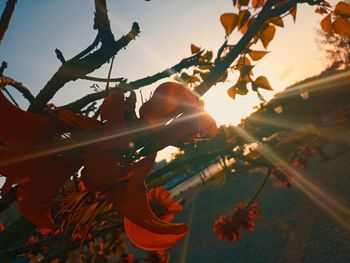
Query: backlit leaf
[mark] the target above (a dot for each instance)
(321, 11)
(243, 17)
(293, 12)
(262, 82)
(243, 2)
(277, 20)
(195, 49)
(208, 55)
(257, 3)
(246, 71)
(341, 26)
(245, 27)
(326, 4)
(326, 24)
(267, 35)
(342, 9)
(231, 92)
(242, 62)
(229, 22)
(241, 88)
(257, 55)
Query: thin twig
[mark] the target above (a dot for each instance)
(18, 86)
(183, 64)
(269, 170)
(6, 17)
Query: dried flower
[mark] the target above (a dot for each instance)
(242, 218)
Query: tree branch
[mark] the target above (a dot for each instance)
(221, 65)
(6, 17)
(72, 69)
(18, 86)
(183, 64)
(100, 79)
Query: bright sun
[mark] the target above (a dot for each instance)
(226, 111)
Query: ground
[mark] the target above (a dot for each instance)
(292, 228)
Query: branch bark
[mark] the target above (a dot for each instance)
(18, 86)
(77, 105)
(72, 69)
(6, 17)
(221, 65)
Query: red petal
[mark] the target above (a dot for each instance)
(19, 127)
(101, 170)
(148, 240)
(74, 122)
(112, 112)
(112, 108)
(134, 204)
(35, 196)
(168, 100)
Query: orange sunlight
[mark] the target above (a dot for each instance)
(227, 111)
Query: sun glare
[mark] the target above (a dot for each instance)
(227, 111)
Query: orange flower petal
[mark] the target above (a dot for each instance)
(112, 111)
(148, 240)
(76, 123)
(19, 127)
(168, 100)
(35, 195)
(100, 170)
(134, 203)
(112, 108)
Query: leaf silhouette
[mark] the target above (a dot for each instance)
(326, 24)
(262, 82)
(342, 9)
(267, 35)
(229, 22)
(257, 55)
(243, 17)
(243, 2)
(257, 3)
(341, 26)
(293, 12)
(195, 49)
(277, 20)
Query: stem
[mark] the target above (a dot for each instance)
(261, 186)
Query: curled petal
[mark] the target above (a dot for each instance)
(168, 100)
(148, 240)
(135, 207)
(19, 127)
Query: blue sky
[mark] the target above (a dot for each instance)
(167, 30)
